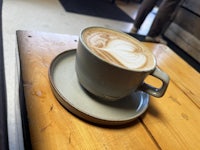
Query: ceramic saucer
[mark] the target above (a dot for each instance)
(73, 97)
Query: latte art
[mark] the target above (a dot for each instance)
(126, 53)
(118, 49)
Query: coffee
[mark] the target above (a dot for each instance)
(99, 48)
(118, 48)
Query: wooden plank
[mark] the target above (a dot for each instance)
(189, 44)
(192, 5)
(171, 122)
(52, 126)
(186, 41)
(184, 31)
(181, 73)
(174, 119)
(188, 21)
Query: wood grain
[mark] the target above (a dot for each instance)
(52, 126)
(171, 122)
(176, 115)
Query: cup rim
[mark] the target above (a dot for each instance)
(112, 64)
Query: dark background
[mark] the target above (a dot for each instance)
(3, 111)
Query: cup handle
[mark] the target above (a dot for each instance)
(157, 92)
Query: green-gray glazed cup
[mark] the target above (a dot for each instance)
(111, 82)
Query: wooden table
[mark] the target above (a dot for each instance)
(170, 122)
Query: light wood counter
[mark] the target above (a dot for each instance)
(170, 122)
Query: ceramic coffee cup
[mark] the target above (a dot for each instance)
(111, 64)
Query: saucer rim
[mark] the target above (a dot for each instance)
(85, 115)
